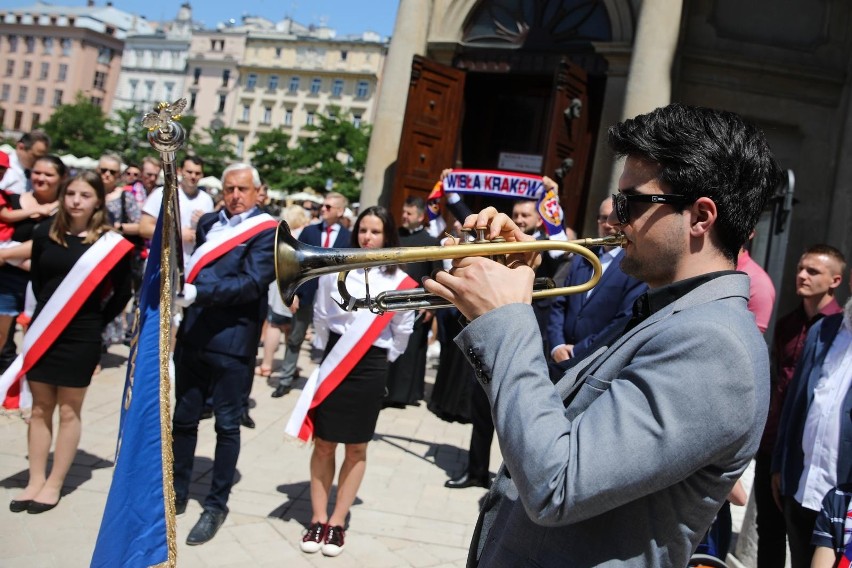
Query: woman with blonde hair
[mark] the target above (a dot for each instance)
(80, 272)
(279, 316)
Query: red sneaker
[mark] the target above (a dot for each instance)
(313, 538)
(333, 541)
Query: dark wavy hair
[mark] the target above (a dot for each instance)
(97, 224)
(704, 152)
(388, 228)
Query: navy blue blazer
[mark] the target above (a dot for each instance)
(312, 235)
(788, 457)
(231, 305)
(577, 320)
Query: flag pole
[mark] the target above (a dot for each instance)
(167, 136)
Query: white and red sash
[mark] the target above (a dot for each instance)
(83, 278)
(349, 349)
(222, 242)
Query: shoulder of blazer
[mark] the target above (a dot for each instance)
(727, 286)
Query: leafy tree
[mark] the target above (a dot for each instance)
(79, 128)
(334, 148)
(217, 150)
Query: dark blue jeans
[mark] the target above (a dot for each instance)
(200, 374)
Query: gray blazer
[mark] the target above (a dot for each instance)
(634, 469)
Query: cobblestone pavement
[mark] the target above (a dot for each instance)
(403, 515)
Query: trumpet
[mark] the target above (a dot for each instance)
(297, 262)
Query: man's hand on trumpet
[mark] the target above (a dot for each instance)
(478, 285)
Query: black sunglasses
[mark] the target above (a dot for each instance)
(107, 170)
(620, 202)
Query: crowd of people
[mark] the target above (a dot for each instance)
(573, 388)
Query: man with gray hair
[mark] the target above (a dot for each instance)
(224, 301)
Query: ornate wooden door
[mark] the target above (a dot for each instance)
(433, 116)
(569, 139)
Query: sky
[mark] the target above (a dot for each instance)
(345, 16)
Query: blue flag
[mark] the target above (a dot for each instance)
(139, 519)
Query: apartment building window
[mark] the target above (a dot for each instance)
(45, 71)
(13, 44)
(246, 113)
(36, 120)
(294, 84)
(241, 145)
(63, 71)
(356, 120)
(19, 118)
(196, 75)
(337, 88)
(170, 88)
(343, 55)
(2, 117)
(362, 90)
(65, 44)
(97, 101)
(309, 121)
(105, 55)
(5, 92)
(28, 69)
(10, 68)
(133, 84)
(221, 103)
(30, 42)
(192, 96)
(226, 76)
(316, 85)
(273, 82)
(277, 52)
(267, 115)
(251, 81)
(149, 90)
(100, 80)
(57, 97)
(47, 44)
(39, 100)
(22, 94)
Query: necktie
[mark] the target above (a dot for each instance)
(327, 242)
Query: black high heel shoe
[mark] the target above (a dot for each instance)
(19, 506)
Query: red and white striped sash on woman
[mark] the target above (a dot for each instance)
(83, 278)
(222, 242)
(349, 349)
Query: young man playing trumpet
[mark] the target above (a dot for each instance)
(644, 439)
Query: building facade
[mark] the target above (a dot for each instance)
(212, 76)
(286, 79)
(153, 68)
(51, 53)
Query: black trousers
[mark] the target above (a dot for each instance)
(483, 433)
(800, 527)
(771, 528)
(200, 375)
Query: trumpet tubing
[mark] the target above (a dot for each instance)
(297, 262)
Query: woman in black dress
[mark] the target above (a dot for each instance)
(348, 415)
(59, 378)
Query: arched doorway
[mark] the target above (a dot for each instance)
(521, 90)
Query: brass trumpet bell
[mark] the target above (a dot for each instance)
(297, 262)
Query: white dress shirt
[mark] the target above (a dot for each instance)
(821, 436)
(329, 317)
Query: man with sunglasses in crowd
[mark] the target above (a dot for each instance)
(327, 234)
(627, 459)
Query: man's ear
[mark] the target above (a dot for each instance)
(703, 215)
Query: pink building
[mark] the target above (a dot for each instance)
(50, 53)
